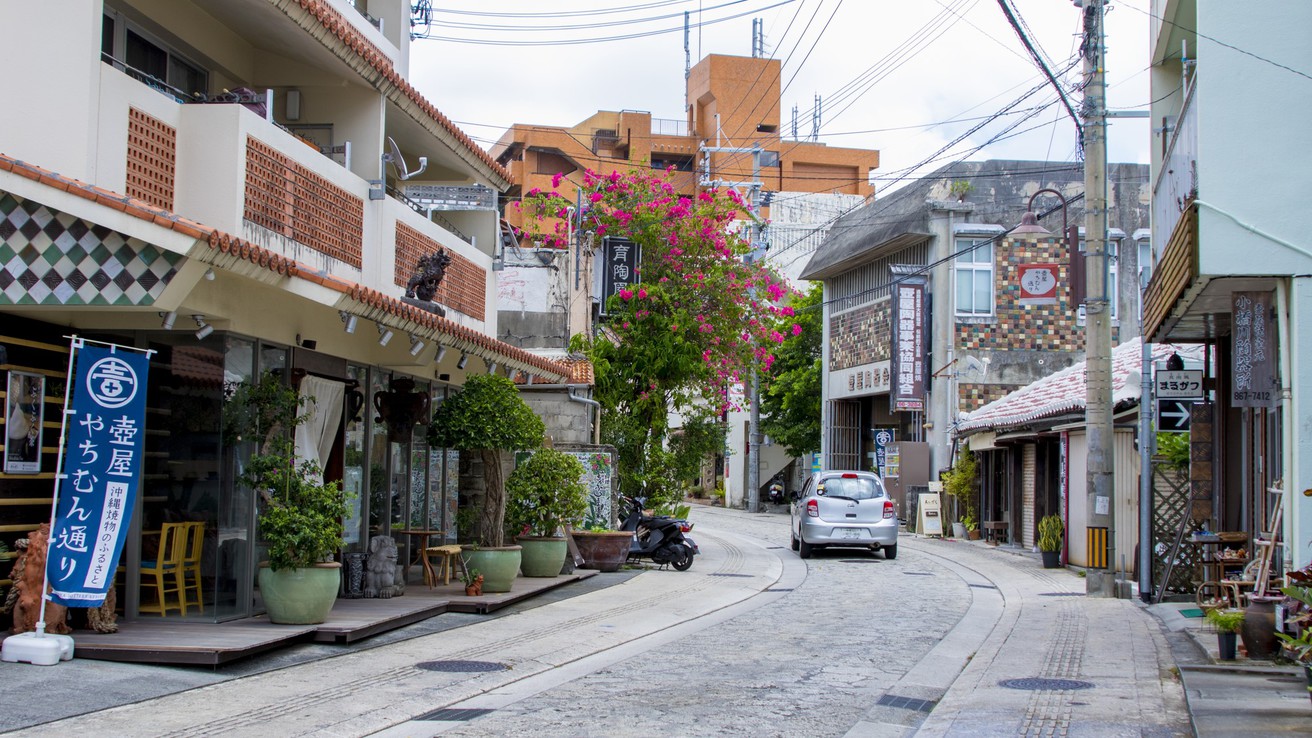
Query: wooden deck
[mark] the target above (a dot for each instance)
(177, 641)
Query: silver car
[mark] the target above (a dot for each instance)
(843, 508)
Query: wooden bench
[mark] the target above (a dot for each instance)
(994, 530)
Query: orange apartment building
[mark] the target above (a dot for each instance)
(733, 101)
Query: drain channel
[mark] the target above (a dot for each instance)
(907, 703)
(462, 667)
(453, 715)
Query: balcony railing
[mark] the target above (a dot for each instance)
(1177, 181)
(669, 127)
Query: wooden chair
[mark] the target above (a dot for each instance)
(191, 553)
(166, 571)
(450, 557)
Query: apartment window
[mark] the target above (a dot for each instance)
(149, 60)
(974, 269)
(1145, 258)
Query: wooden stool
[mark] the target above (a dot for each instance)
(449, 554)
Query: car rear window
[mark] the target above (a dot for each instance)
(858, 488)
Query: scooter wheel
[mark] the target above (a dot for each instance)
(683, 561)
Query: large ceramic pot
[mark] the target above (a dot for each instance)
(499, 566)
(603, 551)
(300, 596)
(542, 557)
(1259, 629)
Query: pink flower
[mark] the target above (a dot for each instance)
(642, 294)
(626, 294)
(776, 336)
(596, 197)
(797, 329)
(556, 178)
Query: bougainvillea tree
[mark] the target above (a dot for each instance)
(697, 321)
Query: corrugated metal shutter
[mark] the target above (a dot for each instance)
(845, 436)
(1027, 484)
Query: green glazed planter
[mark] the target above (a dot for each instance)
(499, 566)
(300, 596)
(543, 557)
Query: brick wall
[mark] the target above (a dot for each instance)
(1015, 326)
(464, 288)
(291, 200)
(860, 336)
(152, 159)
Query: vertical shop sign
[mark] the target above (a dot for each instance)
(620, 270)
(100, 472)
(908, 316)
(25, 401)
(1253, 382)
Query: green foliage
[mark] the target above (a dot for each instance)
(546, 492)
(469, 576)
(487, 414)
(300, 516)
(962, 482)
(1174, 447)
(1300, 645)
(969, 522)
(1051, 532)
(257, 409)
(790, 401)
(960, 188)
(1226, 621)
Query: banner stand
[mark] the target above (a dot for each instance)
(39, 647)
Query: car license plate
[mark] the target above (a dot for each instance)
(851, 532)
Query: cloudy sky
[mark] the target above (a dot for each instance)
(906, 77)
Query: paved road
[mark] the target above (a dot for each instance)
(751, 641)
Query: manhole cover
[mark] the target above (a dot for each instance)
(460, 666)
(1039, 683)
(1061, 594)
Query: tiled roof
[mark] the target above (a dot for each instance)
(1064, 391)
(220, 242)
(349, 35)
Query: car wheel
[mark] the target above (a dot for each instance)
(804, 549)
(793, 541)
(890, 552)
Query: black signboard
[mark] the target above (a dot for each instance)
(1253, 337)
(1173, 416)
(909, 346)
(620, 259)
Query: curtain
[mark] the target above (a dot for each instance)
(322, 404)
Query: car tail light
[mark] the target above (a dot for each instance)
(888, 510)
(850, 475)
(812, 509)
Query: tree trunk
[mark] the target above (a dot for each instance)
(491, 524)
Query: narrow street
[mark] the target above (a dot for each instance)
(751, 641)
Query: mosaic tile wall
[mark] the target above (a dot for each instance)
(464, 288)
(51, 258)
(1034, 327)
(974, 396)
(860, 336)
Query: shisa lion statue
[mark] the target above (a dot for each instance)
(429, 272)
(28, 577)
(381, 570)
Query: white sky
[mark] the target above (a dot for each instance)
(968, 63)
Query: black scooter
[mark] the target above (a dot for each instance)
(659, 538)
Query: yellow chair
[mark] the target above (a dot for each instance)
(191, 552)
(166, 570)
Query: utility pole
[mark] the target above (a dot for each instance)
(754, 436)
(1101, 578)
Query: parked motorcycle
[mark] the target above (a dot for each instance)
(777, 495)
(660, 538)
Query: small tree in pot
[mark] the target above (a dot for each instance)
(544, 494)
(489, 417)
(1051, 531)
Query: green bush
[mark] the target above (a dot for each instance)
(1226, 621)
(546, 493)
(1174, 447)
(1051, 531)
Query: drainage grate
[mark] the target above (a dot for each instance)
(858, 561)
(918, 573)
(774, 548)
(1040, 683)
(983, 586)
(908, 703)
(780, 589)
(1061, 594)
(453, 715)
(718, 574)
(460, 666)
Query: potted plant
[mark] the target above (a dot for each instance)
(971, 526)
(300, 515)
(473, 582)
(544, 494)
(1051, 532)
(1298, 645)
(960, 483)
(1227, 624)
(488, 417)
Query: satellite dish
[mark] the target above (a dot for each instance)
(977, 366)
(394, 157)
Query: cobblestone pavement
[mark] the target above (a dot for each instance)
(752, 641)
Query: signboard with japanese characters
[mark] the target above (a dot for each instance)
(1179, 384)
(909, 349)
(1252, 336)
(101, 472)
(1038, 284)
(883, 438)
(619, 270)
